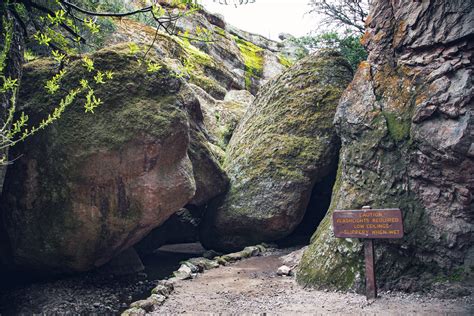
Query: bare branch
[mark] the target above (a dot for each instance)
(351, 13)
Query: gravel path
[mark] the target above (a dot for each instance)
(93, 292)
(252, 286)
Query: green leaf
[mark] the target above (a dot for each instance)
(88, 63)
(8, 84)
(153, 67)
(91, 25)
(58, 18)
(58, 56)
(42, 39)
(133, 48)
(99, 77)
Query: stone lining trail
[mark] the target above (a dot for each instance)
(251, 286)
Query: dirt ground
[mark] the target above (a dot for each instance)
(251, 286)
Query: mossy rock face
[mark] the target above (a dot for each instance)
(404, 123)
(284, 144)
(91, 185)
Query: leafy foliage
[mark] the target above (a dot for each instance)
(52, 85)
(348, 44)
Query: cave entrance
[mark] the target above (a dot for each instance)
(315, 211)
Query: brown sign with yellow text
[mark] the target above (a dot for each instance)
(368, 223)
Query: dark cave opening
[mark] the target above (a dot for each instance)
(317, 208)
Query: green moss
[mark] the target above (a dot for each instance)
(456, 275)
(200, 66)
(398, 126)
(220, 31)
(147, 104)
(226, 133)
(253, 59)
(292, 142)
(285, 61)
(195, 55)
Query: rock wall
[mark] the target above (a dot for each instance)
(284, 144)
(406, 124)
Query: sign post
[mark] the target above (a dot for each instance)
(369, 224)
(370, 286)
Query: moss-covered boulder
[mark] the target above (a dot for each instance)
(91, 185)
(406, 127)
(284, 144)
(209, 176)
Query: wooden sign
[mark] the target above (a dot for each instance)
(369, 224)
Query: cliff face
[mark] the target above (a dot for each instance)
(406, 125)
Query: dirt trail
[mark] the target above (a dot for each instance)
(252, 286)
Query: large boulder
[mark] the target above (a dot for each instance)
(284, 144)
(92, 185)
(406, 125)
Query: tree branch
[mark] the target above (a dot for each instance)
(64, 26)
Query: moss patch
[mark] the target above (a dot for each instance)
(285, 61)
(209, 85)
(195, 55)
(253, 59)
(398, 127)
